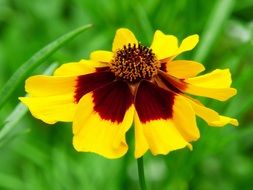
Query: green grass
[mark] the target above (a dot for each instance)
(36, 156)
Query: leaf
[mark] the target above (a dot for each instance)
(34, 61)
(18, 113)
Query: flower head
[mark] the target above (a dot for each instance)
(136, 84)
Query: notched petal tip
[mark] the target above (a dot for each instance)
(36, 114)
(215, 84)
(190, 146)
(101, 120)
(223, 120)
(189, 43)
(164, 46)
(123, 37)
(81, 67)
(183, 69)
(79, 148)
(29, 82)
(230, 93)
(103, 142)
(193, 39)
(20, 98)
(158, 32)
(102, 56)
(105, 155)
(210, 116)
(167, 151)
(234, 91)
(234, 122)
(50, 109)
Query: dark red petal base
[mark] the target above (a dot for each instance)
(101, 69)
(89, 82)
(163, 67)
(153, 102)
(174, 84)
(112, 101)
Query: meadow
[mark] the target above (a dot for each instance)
(38, 156)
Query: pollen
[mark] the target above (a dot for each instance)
(134, 63)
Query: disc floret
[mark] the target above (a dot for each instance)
(134, 63)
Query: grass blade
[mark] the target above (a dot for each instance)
(219, 14)
(34, 61)
(18, 112)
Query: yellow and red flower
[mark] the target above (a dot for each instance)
(136, 84)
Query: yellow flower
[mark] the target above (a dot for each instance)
(136, 84)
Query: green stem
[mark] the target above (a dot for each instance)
(141, 173)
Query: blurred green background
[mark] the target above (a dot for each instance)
(36, 156)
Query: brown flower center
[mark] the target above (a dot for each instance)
(134, 63)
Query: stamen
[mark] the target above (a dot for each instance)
(134, 62)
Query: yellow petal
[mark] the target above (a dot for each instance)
(184, 119)
(221, 94)
(101, 56)
(141, 144)
(188, 43)
(164, 46)
(213, 85)
(54, 98)
(161, 137)
(78, 68)
(51, 99)
(50, 85)
(219, 78)
(94, 134)
(210, 116)
(183, 68)
(123, 37)
(51, 109)
(163, 122)
(205, 113)
(223, 120)
(102, 120)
